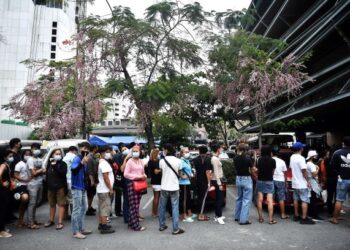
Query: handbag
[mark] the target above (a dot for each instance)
(140, 185)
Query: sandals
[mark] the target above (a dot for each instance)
(49, 224)
(272, 222)
(33, 226)
(140, 229)
(79, 236)
(59, 226)
(261, 220)
(335, 222)
(21, 225)
(285, 217)
(203, 218)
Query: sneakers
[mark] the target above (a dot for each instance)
(4, 234)
(307, 221)
(90, 212)
(220, 220)
(188, 219)
(179, 231)
(163, 228)
(105, 229)
(100, 226)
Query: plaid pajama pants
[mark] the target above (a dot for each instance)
(134, 205)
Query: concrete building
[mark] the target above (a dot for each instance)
(32, 29)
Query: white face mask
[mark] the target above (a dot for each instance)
(108, 156)
(125, 152)
(36, 152)
(11, 159)
(26, 157)
(135, 154)
(187, 155)
(57, 157)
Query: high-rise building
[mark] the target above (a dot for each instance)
(33, 29)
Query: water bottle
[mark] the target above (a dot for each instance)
(17, 196)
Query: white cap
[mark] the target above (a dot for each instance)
(311, 154)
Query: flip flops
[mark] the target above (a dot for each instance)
(59, 226)
(49, 224)
(273, 222)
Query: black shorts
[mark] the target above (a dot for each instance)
(21, 190)
(91, 191)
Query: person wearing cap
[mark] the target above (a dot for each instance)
(341, 164)
(280, 181)
(312, 172)
(300, 184)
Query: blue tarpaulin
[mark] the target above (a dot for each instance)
(115, 140)
(97, 141)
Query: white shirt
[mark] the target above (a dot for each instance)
(217, 169)
(279, 170)
(311, 167)
(297, 164)
(68, 159)
(35, 163)
(104, 167)
(22, 168)
(170, 182)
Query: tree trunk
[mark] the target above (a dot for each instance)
(83, 125)
(260, 136)
(149, 134)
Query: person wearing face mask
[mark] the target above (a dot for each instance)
(105, 189)
(92, 180)
(134, 170)
(23, 177)
(6, 159)
(57, 185)
(312, 173)
(79, 186)
(156, 179)
(185, 186)
(35, 186)
(125, 152)
(218, 174)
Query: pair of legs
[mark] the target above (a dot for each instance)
(174, 198)
(22, 209)
(118, 193)
(56, 198)
(244, 186)
(134, 206)
(185, 201)
(301, 195)
(280, 192)
(265, 187)
(219, 200)
(331, 194)
(343, 188)
(78, 214)
(155, 204)
(91, 192)
(202, 196)
(5, 198)
(34, 199)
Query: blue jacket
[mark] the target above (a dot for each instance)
(78, 174)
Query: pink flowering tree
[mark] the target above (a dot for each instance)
(246, 75)
(67, 99)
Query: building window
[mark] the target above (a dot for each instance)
(116, 114)
(117, 122)
(54, 24)
(76, 10)
(53, 56)
(110, 123)
(54, 32)
(103, 123)
(53, 47)
(53, 39)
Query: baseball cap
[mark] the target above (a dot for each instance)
(298, 145)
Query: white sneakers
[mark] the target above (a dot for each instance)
(4, 234)
(220, 220)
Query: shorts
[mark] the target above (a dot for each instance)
(265, 187)
(280, 190)
(343, 188)
(56, 197)
(156, 188)
(91, 191)
(69, 194)
(301, 195)
(104, 204)
(21, 190)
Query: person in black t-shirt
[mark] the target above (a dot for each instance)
(156, 179)
(341, 164)
(244, 185)
(203, 167)
(92, 180)
(265, 168)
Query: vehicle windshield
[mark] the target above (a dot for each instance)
(283, 141)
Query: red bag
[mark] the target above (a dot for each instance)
(140, 185)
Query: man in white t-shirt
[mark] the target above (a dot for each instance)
(104, 189)
(170, 167)
(300, 184)
(280, 180)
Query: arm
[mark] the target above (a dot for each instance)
(77, 164)
(17, 177)
(3, 183)
(33, 170)
(107, 182)
(122, 168)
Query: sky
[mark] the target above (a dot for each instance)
(138, 7)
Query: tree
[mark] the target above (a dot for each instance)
(66, 99)
(245, 74)
(142, 58)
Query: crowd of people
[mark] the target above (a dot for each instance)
(119, 177)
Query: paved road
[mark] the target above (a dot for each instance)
(199, 235)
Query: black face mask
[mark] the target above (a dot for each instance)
(84, 153)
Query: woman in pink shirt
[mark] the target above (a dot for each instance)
(134, 170)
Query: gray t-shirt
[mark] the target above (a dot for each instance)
(35, 163)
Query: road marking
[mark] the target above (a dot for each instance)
(148, 203)
(231, 193)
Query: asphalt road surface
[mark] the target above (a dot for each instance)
(286, 234)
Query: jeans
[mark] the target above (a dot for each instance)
(79, 210)
(343, 188)
(174, 197)
(35, 192)
(244, 186)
